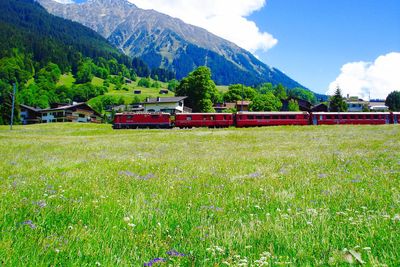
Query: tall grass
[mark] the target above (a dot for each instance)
(85, 195)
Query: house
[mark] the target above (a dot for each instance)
(304, 105)
(378, 106)
(170, 105)
(320, 108)
(222, 107)
(242, 105)
(29, 115)
(77, 112)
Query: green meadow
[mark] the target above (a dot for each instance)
(87, 195)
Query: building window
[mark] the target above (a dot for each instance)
(81, 115)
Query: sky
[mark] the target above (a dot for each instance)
(322, 44)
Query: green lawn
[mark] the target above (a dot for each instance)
(66, 80)
(87, 195)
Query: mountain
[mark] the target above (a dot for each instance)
(163, 41)
(27, 26)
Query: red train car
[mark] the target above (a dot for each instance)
(142, 120)
(214, 120)
(329, 118)
(255, 119)
(395, 119)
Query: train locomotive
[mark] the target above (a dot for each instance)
(158, 120)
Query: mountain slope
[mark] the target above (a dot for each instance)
(26, 25)
(163, 41)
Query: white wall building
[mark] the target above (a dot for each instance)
(170, 105)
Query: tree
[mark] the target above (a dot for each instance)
(238, 91)
(293, 105)
(266, 102)
(280, 92)
(337, 103)
(200, 90)
(144, 82)
(172, 85)
(303, 94)
(6, 91)
(393, 101)
(85, 72)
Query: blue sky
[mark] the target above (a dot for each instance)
(322, 44)
(317, 37)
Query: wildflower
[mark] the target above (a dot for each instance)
(153, 261)
(322, 175)
(41, 203)
(254, 175)
(174, 253)
(131, 225)
(29, 223)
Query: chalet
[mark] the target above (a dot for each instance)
(77, 112)
(320, 108)
(223, 107)
(170, 105)
(378, 106)
(242, 105)
(29, 115)
(304, 105)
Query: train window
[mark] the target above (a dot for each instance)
(292, 117)
(267, 117)
(376, 117)
(204, 117)
(212, 118)
(284, 117)
(188, 118)
(259, 117)
(154, 116)
(129, 117)
(250, 117)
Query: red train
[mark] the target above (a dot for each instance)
(250, 119)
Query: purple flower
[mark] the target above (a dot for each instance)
(41, 203)
(254, 175)
(174, 253)
(29, 223)
(127, 173)
(153, 261)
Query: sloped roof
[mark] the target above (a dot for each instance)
(164, 99)
(30, 108)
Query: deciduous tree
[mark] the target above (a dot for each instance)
(393, 101)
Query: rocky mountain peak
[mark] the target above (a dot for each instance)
(166, 42)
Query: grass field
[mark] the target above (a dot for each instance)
(86, 195)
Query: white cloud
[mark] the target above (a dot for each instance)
(225, 18)
(65, 1)
(377, 78)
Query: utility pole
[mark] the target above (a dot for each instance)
(241, 108)
(13, 106)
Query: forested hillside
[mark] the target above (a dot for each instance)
(36, 48)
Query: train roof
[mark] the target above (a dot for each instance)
(142, 113)
(272, 112)
(214, 113)
(351, 113)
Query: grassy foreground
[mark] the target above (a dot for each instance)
(86, 195)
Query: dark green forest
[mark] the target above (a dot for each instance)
(36, 48)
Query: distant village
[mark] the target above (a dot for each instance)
(83, 113)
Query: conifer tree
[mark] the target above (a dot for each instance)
(337, 103)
